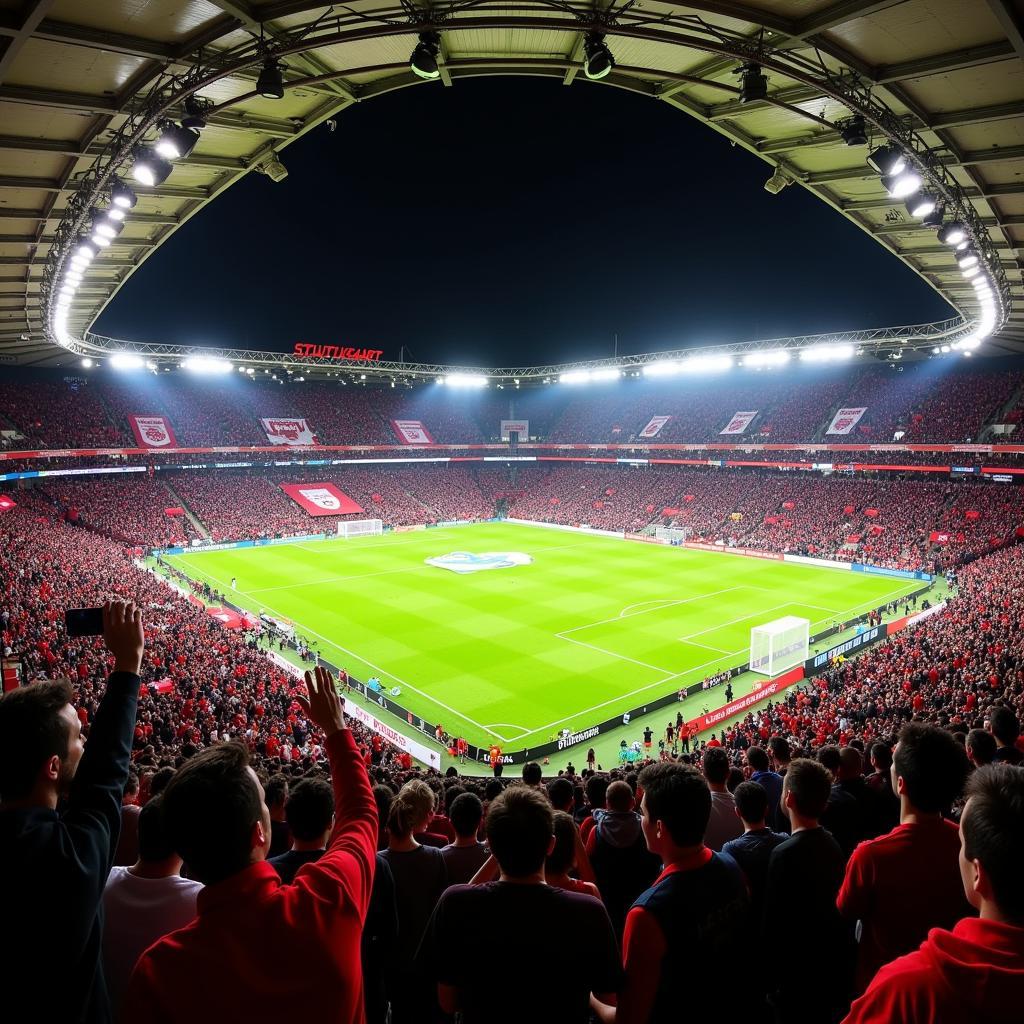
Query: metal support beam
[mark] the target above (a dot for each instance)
(1010, 22)
(25, 29)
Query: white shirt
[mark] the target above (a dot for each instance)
(138, 911)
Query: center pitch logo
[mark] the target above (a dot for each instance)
(321, 497)
(464, 562)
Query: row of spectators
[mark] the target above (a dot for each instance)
(921, 404)
(348, 900)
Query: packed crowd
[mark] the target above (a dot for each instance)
(875, 825)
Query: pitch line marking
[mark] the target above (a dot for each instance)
(337, 579)
(668, 602)
(612, 654)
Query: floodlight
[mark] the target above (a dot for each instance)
(598, 60)
(753, 84)
(966, 258)
(900, 184)
(423, 60)
(887, 160)
(270, 84)
(121, 195)
(206, 364)
(126, 361)
(87, 363)
(176, 142)
(920, 204)
(149, 168)
(853, 131)
(953, 233)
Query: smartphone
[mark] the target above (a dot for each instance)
(83, 621)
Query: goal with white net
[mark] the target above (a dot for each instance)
(360, 528)
(672, 534)
(779, 645)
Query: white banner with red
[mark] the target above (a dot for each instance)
(845, 420)
(7, 503)
(653, 429)
(321, 499)
(739, 423)
(520, 427)
(411, 432)
(285, 430)
(152, 431)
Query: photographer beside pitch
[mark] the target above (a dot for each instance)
(57, 861)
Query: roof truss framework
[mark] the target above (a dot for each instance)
(341, 63)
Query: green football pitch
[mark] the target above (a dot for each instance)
(588, 628)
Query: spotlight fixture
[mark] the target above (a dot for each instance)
(87, 363)
(934, 219)
(101, 240)
(195, 118)
(114, 213)
(970, 272)
(598, 60)
(900, 184)
(176, 142)
(149, 168)
(270, 84)
(423, 60)
(753, 84)
(853, 131)
(966, 258)
(85, 250)
(777, 182)
(108, 227)
(887, 160)
(122, 196)
(920, 204)
(952, 233)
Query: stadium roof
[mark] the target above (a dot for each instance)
(83, 84)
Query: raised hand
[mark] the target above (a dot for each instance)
(323, 706)
(123, 635)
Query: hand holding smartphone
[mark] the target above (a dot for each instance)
(83, 621)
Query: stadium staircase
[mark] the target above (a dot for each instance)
(177, 500)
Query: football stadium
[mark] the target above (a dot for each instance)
(451, 505)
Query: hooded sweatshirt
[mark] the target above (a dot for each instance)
(973, 974)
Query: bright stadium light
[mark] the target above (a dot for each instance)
(84, 249)
(966, 258)
(971, 271)
(901, 184)
(662, 368)
(206, 364)
(706, 364)
(126, 361)
(920, 204)
(423, 60)
(115, 213)
(608, 373)
(770, 357)
(953, 233)
(176, 142)
(598, 60)
(460, 380)
(150, 168)
(887, 160)
(575, 377)
(108, 228)
(121, 195)
(87, 363)
(827, 353)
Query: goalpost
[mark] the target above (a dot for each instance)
(672, 534)
(779, 645)
(360, 528)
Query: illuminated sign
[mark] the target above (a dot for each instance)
(343, 352)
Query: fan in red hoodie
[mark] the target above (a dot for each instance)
(976, 971)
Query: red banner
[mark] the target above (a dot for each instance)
(152, 431)
(769, 689)
(411, 432)
(174, 511)
(229, 618)
(935, 537)
(6, 503)
(320, 499)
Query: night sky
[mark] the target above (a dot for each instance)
(513, 221)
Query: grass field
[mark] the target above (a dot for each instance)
(590, 628)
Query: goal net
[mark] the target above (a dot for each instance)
(672, 534)
(779, 645)
(360, 528)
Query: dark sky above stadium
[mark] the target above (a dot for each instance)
(514, 221)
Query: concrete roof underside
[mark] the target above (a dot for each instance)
(72, 73)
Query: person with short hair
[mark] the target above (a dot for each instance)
(216, 968)
(981, 747)
(904, 883)
(467, 854)
(804, 876)
(561, 794)
(60, 812)
(723, 824)
(276, 791)
(1006, 730)
(520, 834)
(532, 774)
(564, 857)
(753, 849)
(761, 773)
(596, 790)
(687, 923)
(144, 902)
(974, 972)
(309, 814)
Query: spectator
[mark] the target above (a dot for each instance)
(753, 849)
(561, 794)
(842, 817)
(887, 806)
(519, 832)
(379, 940)
(277, 799)
(127, 851)
(532, 774)
(596, 790)
(420, 878)
(467, 854)
(309, 814)
(761, 772)
(57, 862)
(906, 882)
(623, 865)
(216, 969)
(564, 858)
(981, 747)
(976, 971)
(144, 902)
(690, 919)
(723, 824)
(1006, 730)
(804, 876)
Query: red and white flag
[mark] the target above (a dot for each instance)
(6, 503)
(739, 423)
(320, 499)
(282, 430)
(152, 431)
(845, 420)
(653, 429)
(411, 432)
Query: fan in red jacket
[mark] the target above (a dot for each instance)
(976, 971)
(259, 950)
